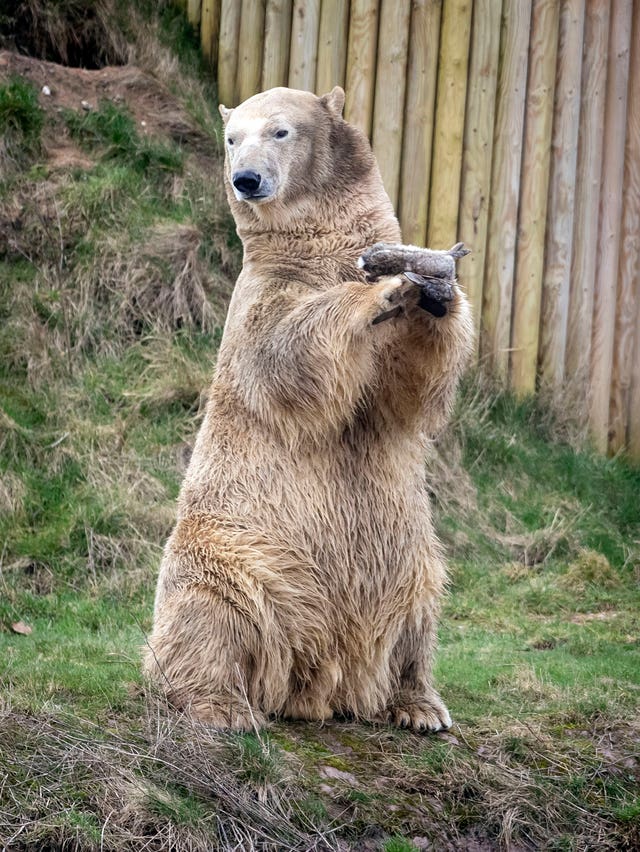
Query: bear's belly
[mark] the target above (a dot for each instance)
(363, 518)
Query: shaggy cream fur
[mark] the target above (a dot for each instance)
(303, 577)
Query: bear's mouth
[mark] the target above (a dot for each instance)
(255, 196)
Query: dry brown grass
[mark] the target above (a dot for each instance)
(73, 32)
(173, 785)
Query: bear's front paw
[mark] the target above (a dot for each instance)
(423, 715)
(391, 298)
(434, 293)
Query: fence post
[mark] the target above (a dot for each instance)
(628, 302)
(604, 307)
(332, 45)
(228, 53)
(475, 182)
(564, 154)
(534, 189)
(587, 196)
(210, 29)
(194, 10)
(444, 193)
(277, 36)
(251, 42)
(361, 63)
(303, 56)
(505, 186)
(419, 111)
(390, 89)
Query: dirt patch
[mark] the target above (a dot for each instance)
(586, 617)
(155, 109)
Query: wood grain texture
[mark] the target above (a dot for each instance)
(475, 182)
(210, 30)
(361, 63)
(559, 237)
(534, 188)
(604, 307)
(505, 187)
(390, 90)
(250, 48)
(628, 299)
(194, 10)
(419, 114)
(633, 430)
(303, 57)
(448, 134)
(277, 37)
(332, 45)
(587, 197)
(228, 51)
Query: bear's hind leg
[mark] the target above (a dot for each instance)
(415, 703)
(211, 660)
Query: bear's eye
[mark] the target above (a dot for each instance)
(229, 141)
(280, 134)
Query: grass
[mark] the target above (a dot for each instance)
(113, 286)
(21, 121)
(112, 129)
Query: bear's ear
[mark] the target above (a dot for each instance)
(225, 113)
(334, 101)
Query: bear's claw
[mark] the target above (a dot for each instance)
(421, 716)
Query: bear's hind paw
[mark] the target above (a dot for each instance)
(422, 716)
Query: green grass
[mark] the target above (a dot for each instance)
(21, 123)
(20, 112)
(112, 130)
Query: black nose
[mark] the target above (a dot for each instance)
(247, 182)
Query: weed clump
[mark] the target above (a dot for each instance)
(590, 568)
(21, 120)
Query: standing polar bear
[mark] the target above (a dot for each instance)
(303, 576)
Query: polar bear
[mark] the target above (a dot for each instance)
(303, 577)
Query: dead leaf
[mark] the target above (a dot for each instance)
(21, 627)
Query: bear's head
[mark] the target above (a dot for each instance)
(285, 146)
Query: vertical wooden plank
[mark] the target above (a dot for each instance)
(628, 304)
(505, 186)
(534, 188)
(210, 30)
(419, 112)
(250, 46)
(332, 45)
(390, 89)
(444, 194)
(228, 52)
(587, 197)
(475, 184)
(277, 36)
(633, 445)
(604, 306)
(304, 44)
(194, 10)
(564, 155)
(361, 63)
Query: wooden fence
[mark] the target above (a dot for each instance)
(513, 125)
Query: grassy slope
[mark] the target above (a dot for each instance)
(105, 350)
